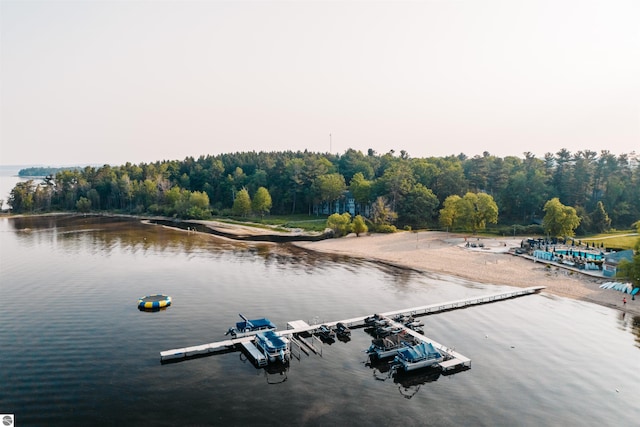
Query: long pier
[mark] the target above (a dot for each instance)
(299, 326)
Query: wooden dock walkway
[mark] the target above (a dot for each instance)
(300, 326)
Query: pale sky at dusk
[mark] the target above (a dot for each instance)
(95, 82)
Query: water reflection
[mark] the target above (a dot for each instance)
(105, 235)
(276, 373)
(409, 383)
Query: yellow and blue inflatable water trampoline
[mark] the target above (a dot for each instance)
(154, 302)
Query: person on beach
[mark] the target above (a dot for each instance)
(624, 301)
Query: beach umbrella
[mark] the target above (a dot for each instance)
(635, 291)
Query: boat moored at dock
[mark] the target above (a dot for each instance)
(342, 330)
(382, 348)
(251, 326)
(326, 333)
(418, 356)
(274, 347)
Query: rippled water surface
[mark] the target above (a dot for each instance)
(76, 350)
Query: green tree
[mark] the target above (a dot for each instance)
(294, 172)
(476, 210)
(198, 205)
(397, 181)
(352, 162)
(630, 270)
(600, 219)
(242, 203)
(83, 204)
(66, 184)
(176, 202)
(339, 223)
(360, 187)
(485, 210)
(21, 197)
(359, 226)
(261, 202)
(381, 212)
(450, 179)
(525, 190)
(473, 211)
(173, 201)
(559, 220)
(330, 187)
(417, 207)
(449, 212)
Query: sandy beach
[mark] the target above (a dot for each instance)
(446, 253)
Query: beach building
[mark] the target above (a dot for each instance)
(346, 203)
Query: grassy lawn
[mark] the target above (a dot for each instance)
(304, 222)
(619, 239)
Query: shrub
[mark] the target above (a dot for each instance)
(386, 228)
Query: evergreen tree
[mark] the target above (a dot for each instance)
(600, 219)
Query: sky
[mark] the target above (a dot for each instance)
(110, 82)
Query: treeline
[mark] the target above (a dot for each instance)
(42, 171)
(413, 189)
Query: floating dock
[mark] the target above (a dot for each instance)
(454, 361)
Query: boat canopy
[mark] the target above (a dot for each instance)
(419, 352)
(271, 340)
(255, 324)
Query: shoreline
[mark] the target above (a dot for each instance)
(445, 253)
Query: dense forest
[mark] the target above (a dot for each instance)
(413, 189)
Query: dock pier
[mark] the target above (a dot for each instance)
(294, 328)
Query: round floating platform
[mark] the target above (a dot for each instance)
(154, 302)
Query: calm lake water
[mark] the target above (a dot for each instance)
(77, 351)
